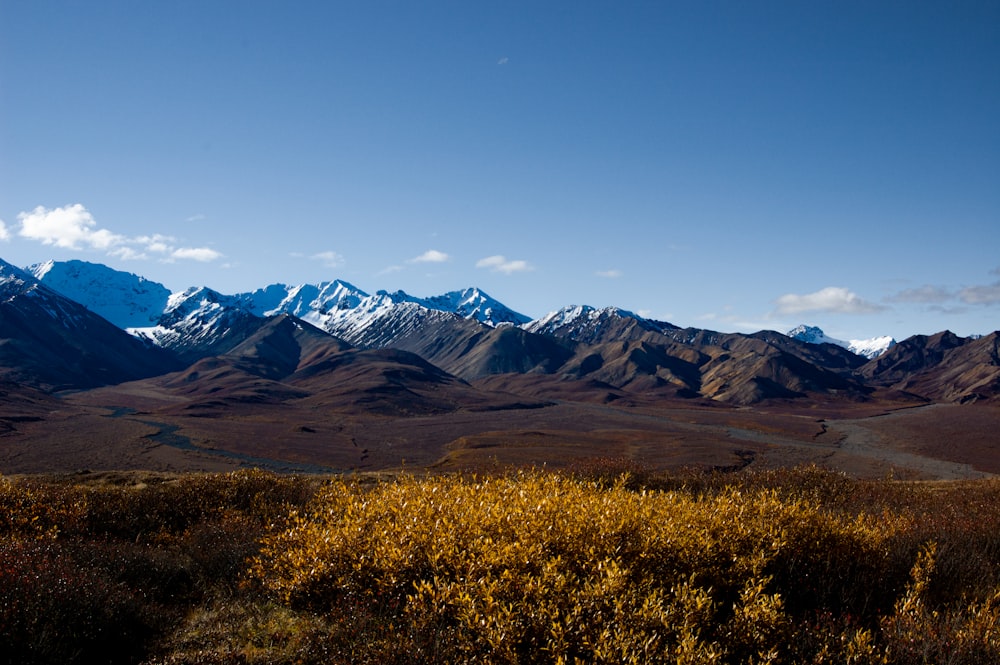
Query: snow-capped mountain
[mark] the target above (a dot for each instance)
(20, 286)
(199, 319)
(379, 320)
(51, 339)
(473, 303)
(124, 299)
(305, 301)
(317, 302)
(372, 321)
(199, 322)
(13, 281)
(582, 323)
(868, 348)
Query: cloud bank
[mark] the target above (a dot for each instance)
(924, 295)
(833, 299)
(73, 227)
(939, 296)
(981, 295)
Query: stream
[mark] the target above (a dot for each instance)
(166, 435)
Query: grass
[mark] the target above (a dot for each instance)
(608, 562)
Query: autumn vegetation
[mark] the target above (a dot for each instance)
(604, 563)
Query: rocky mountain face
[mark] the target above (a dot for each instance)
(280, 338)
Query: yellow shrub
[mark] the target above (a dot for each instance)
(536, 564)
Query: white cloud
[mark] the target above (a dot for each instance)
(390, 270)
(499, 263)
(610, 274)
(430, 256)
(203, 254)
(503, 61)
(157, 243)
(831, 299)
(71, 227)
(330, 259)
(4, 233)
(981, 295)
(126, 253)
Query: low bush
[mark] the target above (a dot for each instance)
(104, 574)
(609, 562)
(540, 567)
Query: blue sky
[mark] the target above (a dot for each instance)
(726, 165)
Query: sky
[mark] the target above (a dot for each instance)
(736, 166)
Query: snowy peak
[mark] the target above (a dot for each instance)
(379, 320)
(124, 299)
(198, 301)
(565, 319)
(868, 348)
(871, 348)
(812, 335)
(385, 317)
(582, 323)
(13, 280)
(471, 303)
(317, 303)
(21, 288)
(303, 300)
(200, 322)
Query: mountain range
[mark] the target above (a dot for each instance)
(73, 324)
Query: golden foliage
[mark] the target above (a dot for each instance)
(795, 566)
(542, 568)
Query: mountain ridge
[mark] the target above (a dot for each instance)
(471, 336)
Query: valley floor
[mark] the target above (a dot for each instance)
(114, 429)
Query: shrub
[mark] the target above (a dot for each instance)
(544, 568)
(610, 563)
(54, 609)
(98, 574)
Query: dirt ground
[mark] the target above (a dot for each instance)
(107, 430)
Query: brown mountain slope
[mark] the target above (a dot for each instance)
(941, 367)
(746, 370)
(640, 367)
(392, 382)
(283, 345)
(471, 350)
